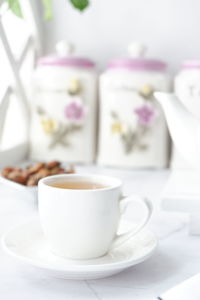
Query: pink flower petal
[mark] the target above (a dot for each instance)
(74, 111)
(146, 114)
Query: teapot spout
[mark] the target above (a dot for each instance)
(184, 127)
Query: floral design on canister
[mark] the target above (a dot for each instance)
(145, 114)
(59, 131)
(75, 111)
(133, 136)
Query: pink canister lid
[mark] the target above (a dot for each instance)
(137, 61)
(191, 64)
(137, 64)
(53, 60)
(64, 58)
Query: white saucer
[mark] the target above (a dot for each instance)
(27, 243)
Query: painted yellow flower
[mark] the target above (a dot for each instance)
(146, 91)
(49, 126)
(74, 86)
(116, 127)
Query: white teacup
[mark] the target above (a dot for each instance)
(83, 224)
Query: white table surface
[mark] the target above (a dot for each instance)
(176, 259)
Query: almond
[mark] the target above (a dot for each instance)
(35, 168)
(53, 164)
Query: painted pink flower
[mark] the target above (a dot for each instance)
(146, 114)
(75, 111)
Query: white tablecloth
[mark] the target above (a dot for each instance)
(176, 259)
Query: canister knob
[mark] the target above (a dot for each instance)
(64, 48)
(137, 49)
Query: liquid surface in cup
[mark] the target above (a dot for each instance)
(78, 185)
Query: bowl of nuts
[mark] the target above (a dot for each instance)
(26, 179)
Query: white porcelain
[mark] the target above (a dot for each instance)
(28, 244)
(83, 224)
(183, 126)
(30, 192)
(125, 94)
(61, 83)
(187, 89)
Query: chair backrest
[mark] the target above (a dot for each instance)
(16, 90)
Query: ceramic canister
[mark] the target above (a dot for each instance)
(187, 85)
(63, 109)
(187, 89)
(133, 131)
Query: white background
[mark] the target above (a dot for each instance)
(170, 28)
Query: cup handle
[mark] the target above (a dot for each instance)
(122, 238)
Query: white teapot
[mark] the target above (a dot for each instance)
(183, 125)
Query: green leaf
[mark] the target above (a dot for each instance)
(48, 14)
(15, 7)
(80, 4)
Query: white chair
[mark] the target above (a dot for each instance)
(16, 89)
